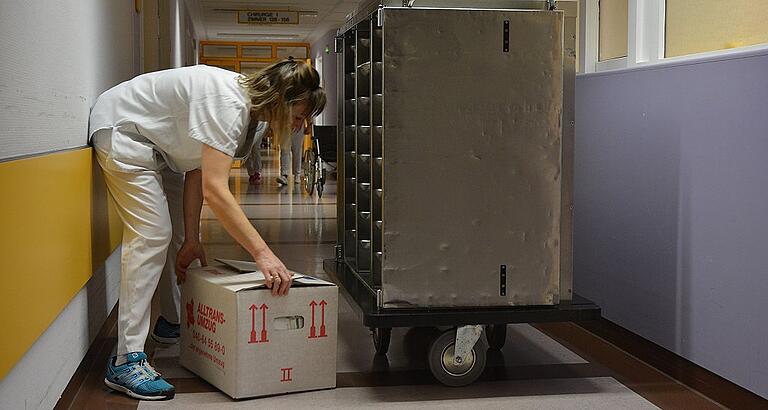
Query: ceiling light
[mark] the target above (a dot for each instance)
(276, 35)
(305, 13)
(265, 37)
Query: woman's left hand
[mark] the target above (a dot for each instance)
(187, 254)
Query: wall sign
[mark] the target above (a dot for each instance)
(267, 17)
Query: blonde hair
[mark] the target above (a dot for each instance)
(277, 87)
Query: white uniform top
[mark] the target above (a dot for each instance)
(175, 112)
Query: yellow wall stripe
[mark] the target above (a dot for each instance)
(106, 227)
(56, 228)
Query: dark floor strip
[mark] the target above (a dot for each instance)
(424, 377)
(192, 385)
(692, 375)
(501, 373)
(636, 375)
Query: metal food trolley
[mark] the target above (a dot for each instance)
(455, 166)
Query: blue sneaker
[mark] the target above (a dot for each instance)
(165, 331)
(138, 379)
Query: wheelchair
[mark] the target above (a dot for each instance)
(321, 151)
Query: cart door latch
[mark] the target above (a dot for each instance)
(339, 253)
(503, 280)
(506, 36)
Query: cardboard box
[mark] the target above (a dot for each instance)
(248, 343)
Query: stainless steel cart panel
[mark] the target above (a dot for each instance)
(472, 158)
(368, 81)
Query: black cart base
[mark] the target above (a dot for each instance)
(457, 357)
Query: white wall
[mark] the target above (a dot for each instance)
(327, 76)
(671, 201)
(181, 35)
(57, 57)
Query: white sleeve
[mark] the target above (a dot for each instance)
(217, 121)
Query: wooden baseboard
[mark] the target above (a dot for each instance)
(709, 384)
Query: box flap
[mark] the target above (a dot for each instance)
(231, 279)
(240, 266)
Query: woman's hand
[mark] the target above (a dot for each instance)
(189, 251)
(275, 273)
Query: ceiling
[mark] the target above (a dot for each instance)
(217, 20)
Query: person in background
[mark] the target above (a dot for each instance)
(290, 153)
(165, 140)
(253, 162)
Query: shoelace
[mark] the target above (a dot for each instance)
(151, 369)
(140, 372)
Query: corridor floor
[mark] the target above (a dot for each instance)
(552, 366)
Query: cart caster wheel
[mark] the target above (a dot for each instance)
(496, 335)
(446, 370)
(381, 336)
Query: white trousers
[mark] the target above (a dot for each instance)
(149, 202)
(253, 162)
(297, 142)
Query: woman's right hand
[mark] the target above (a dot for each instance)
(189, 252)
(275, 273)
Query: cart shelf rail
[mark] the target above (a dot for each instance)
(579, 309)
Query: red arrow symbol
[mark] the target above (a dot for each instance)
(322, 324)
(263, 323)
(312, 330)
(253, 324)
